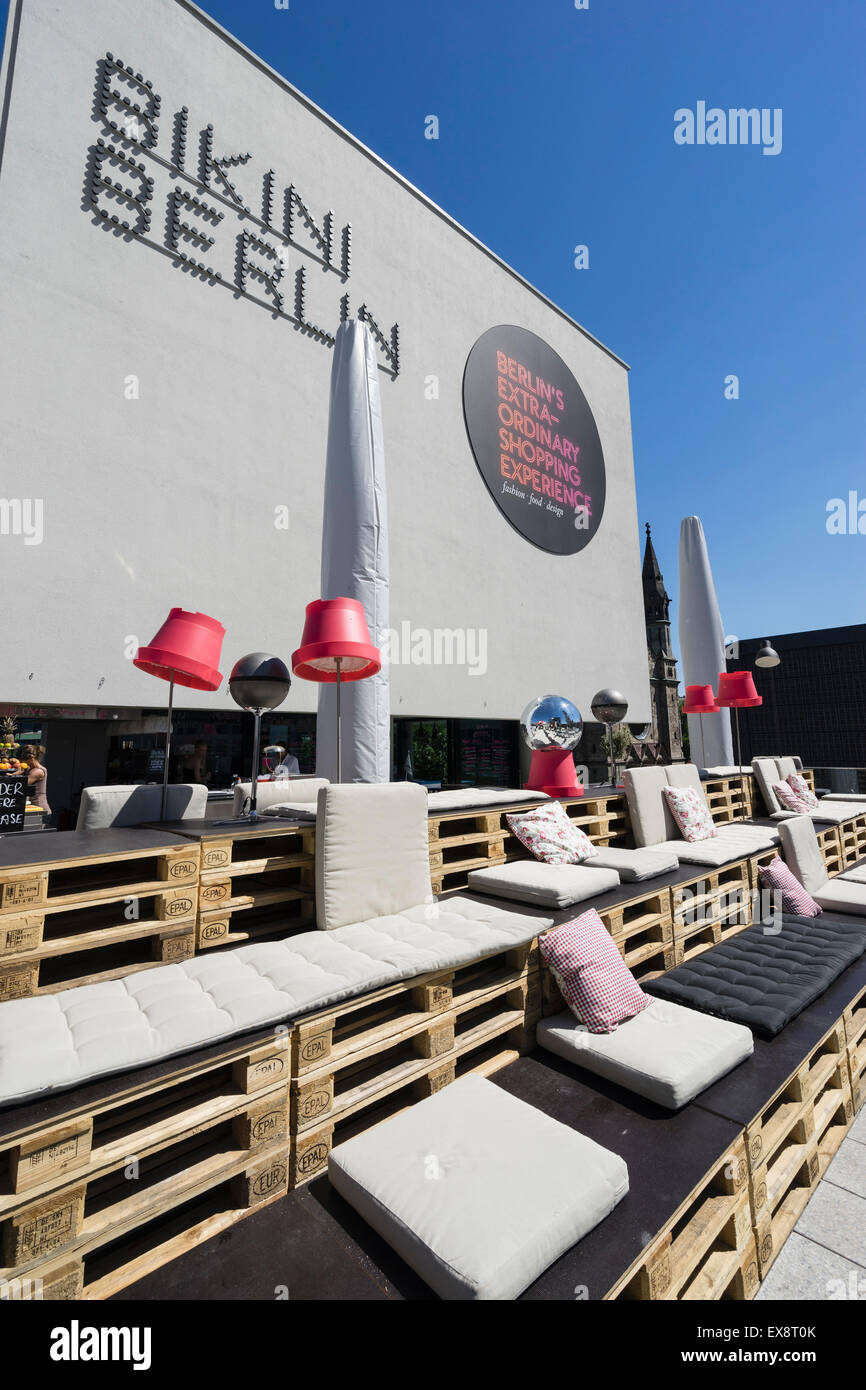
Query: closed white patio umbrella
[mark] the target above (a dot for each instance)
(702, 641)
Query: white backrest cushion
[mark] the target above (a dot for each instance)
(803, 853)
(372, 851)
(787, 768)
(650, 817)
(766, 773)
(683, 775)
(130, 805)
(280, 790)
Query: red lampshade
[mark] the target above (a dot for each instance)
(335, 628)
(187, 647)
(700, 700)
(737, 690)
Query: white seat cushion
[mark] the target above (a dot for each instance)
(853, 875)
(292, 810)
(64, 1039)
(843, 895)
(372, 851)
(634, 865)
(758, 836)
(667, 1053)
(708, 852)
(477, 1191)
(463, 797)
(857, 798)
(548, 885)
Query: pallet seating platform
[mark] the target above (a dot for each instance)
(256, 880)
(689, 1188)
(81, 907)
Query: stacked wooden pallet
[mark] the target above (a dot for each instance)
(86, 908)
(709, 908)
(852, 841)
(642, 930)
(854, 1021)
(465, 840)
(791, 1142)
(729, 798)
(368, 1058)
(256, 880)
(707, 1250)
(94, 1200)
(830, 845)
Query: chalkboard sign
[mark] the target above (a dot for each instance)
(13, 802)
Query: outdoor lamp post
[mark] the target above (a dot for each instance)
(767, 655)
(737, 691)
(336, 647)
(185, 651)
(609, 708)
(258, 682)
(700, 700)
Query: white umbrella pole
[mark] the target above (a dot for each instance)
(167, 748)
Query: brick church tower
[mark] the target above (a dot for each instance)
(666, 729)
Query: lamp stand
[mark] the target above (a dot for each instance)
(740, 760)
(610, 754)
(339, 662)
(167, 748)
(703, 750)
(257, 736)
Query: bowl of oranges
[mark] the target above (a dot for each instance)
(8, 761)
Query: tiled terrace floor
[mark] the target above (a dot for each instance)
(825, 1256)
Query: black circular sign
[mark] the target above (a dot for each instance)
(534, 439)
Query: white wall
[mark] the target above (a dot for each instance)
(170, 499)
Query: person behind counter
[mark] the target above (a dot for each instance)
(36, 778)
(194, 765)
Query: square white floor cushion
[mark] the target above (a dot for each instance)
(667, 1053)
(547, 885)
(476, 1190)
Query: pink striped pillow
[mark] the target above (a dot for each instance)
(803, 790)
(778, 876)
(595, 981)
(791, 800)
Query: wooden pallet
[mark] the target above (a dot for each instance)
(95, 1179)
(854, 1021)
(706, 1250)
(790, 1143)
(465, 840)
(830, 845)
(725, 798)
(377, 1054)
(709, 908)
(88, 880)
(269, 874)
(760, 861)
(852, 841)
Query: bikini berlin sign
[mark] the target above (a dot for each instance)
(534, 439)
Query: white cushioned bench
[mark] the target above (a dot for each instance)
(769, 771)
(846, 893)
(477, 1191)
(667, 1053)
(653, 824)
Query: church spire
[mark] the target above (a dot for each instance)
(653, 584)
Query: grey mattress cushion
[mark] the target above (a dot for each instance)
(667, 1053)
(764, 978)
(633, 865)
(53, 1041)
(477, 1191)
(548, 885)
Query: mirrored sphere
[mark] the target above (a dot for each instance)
(551, 721)
(609, 706)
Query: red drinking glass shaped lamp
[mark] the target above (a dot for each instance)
(185, 651)
(700, 700)
(336, 647)
(737, 691)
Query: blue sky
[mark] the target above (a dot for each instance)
(704, 261)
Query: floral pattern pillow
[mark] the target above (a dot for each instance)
(550, 835)
(791, 800)
(803, 790)
(690, 813)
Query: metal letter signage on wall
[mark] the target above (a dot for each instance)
(246, 253)
(534, 439)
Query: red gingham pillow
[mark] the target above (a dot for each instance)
(691, 814)
(790, 799)
(551, 835)
(803, 790)
(777, 875)
(595, 981)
